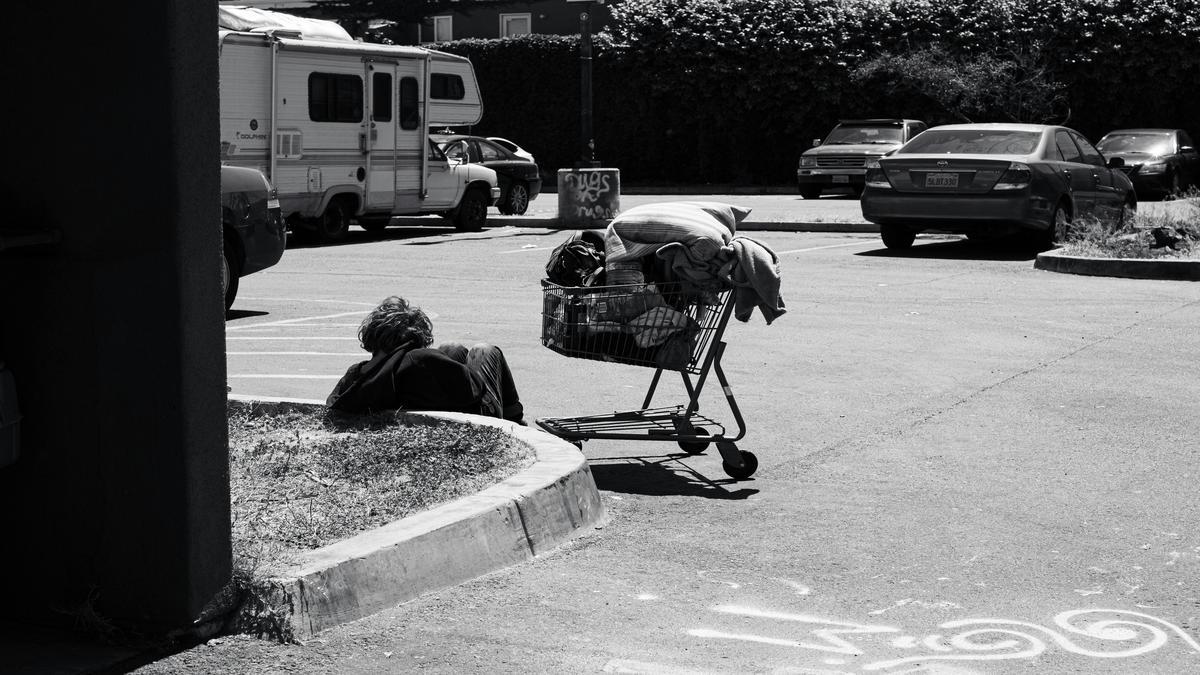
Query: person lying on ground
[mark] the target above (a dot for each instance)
(405, 373)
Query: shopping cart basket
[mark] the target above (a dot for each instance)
(665, 326)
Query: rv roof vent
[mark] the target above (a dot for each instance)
(286, 33)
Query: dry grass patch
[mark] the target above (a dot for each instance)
(301, 479)
(1170, 233)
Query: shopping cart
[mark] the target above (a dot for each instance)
(665, 326)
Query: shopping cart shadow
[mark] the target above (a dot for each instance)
(660, 476)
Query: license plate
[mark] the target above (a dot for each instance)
(841, 179)
(941, 180)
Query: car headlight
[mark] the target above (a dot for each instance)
(1153, 167)
(875, 176)
(808, 161)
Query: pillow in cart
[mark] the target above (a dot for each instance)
(641, 230)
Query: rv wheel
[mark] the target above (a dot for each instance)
(333, 224)
(472, 212)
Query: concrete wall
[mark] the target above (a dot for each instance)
(118, 502)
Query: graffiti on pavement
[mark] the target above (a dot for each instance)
(1096, 633)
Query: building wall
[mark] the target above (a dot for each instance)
(118, 502)
(551, 17)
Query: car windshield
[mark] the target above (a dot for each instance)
(974, 142)
(864, 135)
(1148, 144)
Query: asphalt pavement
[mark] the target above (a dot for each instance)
(967, 465)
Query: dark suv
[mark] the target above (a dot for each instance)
(840, 160)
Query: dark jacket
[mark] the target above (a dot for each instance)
(409, 379)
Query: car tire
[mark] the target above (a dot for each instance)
(334, 224)
(1128, 212)
(897, 237)
(1059, 228)
(471, 213)
(230, 275)
(516, 200)
(1175, 185)
(808, 192)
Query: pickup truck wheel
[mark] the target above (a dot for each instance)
(810, 192)
(471, 213)
(334, 224)
(896, 237)
(516, 200)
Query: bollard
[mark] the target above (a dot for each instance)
(588, 198)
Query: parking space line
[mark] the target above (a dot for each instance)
(821, 248)
(283, 377)
(286, 322)
(358, 354)
(268, 338)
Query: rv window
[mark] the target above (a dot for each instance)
(335, 98)
(381, 98)
(447, 87)
(410, 109)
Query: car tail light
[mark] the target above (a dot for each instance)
(1016, 177)
(875, 177)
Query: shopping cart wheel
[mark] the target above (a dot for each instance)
(747, 469)
(695, 447)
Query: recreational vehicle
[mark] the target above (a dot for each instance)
(341, 127)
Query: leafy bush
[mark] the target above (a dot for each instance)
(727, 91)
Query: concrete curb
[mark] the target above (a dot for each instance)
(1130, 268)
(513, 521)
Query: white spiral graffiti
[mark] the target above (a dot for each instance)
(1138, 634)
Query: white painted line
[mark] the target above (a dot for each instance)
(358, 354)
(284, 377)
(272, 338)
(332, 302)
(284, 322)
(526, 250)
(822, 248)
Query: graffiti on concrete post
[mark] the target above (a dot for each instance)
(589, 194)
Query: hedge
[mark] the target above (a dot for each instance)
(731, 91)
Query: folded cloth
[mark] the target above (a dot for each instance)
(703, 227)
(753, 270)
(657, 325)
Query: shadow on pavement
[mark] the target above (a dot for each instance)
(437, 232)
(961, 249)
(235, 314)
(660, 476)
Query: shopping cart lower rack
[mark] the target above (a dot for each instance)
(665, 326)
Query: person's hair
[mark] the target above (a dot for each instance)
(393, 323)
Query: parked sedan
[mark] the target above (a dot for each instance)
(987, 180)
(520, 180)
(253, 229)
(1160, 162)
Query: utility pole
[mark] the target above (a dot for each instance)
(587, 159)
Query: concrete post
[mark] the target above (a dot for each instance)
(588, 198)
(117, 505)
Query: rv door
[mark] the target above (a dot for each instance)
(380, 144)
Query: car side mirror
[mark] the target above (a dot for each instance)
(816, 142)
(1186, 148)
(464, 154)
(1116, 162)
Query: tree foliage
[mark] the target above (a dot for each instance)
(728, 90)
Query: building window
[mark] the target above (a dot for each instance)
(443, 28)
(446, 86)
(381, 98)
(515, 24)
(335, 98)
